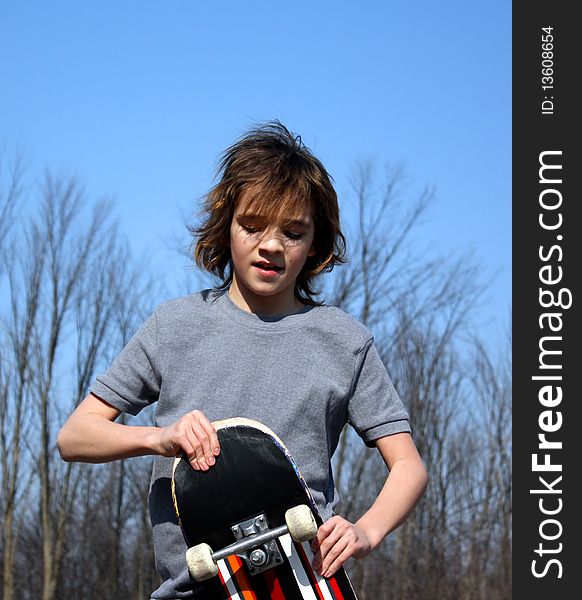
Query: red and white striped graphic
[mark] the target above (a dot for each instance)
(307, 584)
(312, 586)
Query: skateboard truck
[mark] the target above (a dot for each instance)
(256, 543)
(263, 553)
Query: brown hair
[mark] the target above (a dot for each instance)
(278, 176)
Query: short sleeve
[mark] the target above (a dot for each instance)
(375, 410)
(133, 381)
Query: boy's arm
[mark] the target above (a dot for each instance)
(338, 539)
(91, 435)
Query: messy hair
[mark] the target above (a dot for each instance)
(278, 177)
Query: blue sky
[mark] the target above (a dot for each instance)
(139, 98)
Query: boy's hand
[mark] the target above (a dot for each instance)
(336, 541)
(195, 436)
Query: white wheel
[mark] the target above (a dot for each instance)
(200, 563)
(301, 523)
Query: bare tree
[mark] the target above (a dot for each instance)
(73, 299)
(15, 375)
(488, 559)
(11, 184)
(420, 307)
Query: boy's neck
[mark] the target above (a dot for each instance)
(264, 305)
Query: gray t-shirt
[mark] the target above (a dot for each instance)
(303, 375)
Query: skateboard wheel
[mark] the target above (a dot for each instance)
(200, 563)
(301, 523)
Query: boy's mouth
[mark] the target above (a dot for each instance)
(268, 267)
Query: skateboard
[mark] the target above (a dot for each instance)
(248, 520)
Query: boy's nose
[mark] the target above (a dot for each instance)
(271, 242)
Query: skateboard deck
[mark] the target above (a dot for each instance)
(235, 516)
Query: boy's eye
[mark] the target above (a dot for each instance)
(293, 235)
(250, 229)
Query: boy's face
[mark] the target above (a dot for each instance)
(267, 259)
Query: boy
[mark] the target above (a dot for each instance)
(259, 346)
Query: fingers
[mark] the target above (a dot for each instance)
(336, 541)
(202, 441)
(194, 435)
